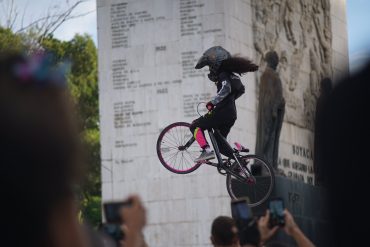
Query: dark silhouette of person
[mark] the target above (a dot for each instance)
(271, 109)
(345, 145)
(325, 90)
(224, 232)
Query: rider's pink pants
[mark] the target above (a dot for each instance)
(199, 136)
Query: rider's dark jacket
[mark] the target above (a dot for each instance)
(229, 88)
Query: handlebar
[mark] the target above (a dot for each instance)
(198, 108)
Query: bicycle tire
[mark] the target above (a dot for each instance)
(255, 192)
(174, 140)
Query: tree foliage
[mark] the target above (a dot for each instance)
(82, 81)
(10, 41)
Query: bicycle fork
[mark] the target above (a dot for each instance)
(249, 176)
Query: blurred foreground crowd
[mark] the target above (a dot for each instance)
(42, 162)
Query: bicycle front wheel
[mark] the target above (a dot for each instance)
(172, 150)
(258, 186)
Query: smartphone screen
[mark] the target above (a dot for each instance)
(112, 211)
(241, 210)
(277, 207)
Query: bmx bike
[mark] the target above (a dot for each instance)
(246, 174)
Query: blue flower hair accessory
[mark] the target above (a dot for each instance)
(39, 69)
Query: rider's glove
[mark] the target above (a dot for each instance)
(210, 106)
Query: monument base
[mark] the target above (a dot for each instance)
(307, 204)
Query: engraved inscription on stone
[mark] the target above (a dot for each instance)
(297, 170)
(122, 114)
(122, 21)
(189, 19)
(189, 58)
(123, 144)
(125, 115)
(119, 26)
(119, 74)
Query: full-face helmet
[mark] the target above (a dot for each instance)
(213, 57)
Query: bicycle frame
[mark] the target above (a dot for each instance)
(213, 133)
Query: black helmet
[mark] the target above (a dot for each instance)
(213, 58)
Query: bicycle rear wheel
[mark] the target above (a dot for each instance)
(171, 149)
(258, 188)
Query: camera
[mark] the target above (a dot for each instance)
(276, 207)
(113, 218)
(245, 222)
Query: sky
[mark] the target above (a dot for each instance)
(358, 23)
(358, 26)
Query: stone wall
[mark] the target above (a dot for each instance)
(147, 53)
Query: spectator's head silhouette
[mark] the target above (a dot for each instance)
(224, 232)
(40, 155)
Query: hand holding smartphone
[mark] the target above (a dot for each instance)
(113, 218)
(276, 207)
(240, 210)
(112, 211)
(247, 225)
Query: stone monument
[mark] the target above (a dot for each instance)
(147, 53)
(310, 38)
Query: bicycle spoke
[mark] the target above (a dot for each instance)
(182, 160)
(171, 134)
(171, 142)
(183, 136)
(169, 147)
(172, 157)
(187, 159)
(178, 136)
(173, 137)
(193, 157)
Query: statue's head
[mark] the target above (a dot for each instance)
(272, 59)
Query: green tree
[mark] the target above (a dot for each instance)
(10, 41)
(82, 81)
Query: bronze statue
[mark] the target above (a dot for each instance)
(271, 109)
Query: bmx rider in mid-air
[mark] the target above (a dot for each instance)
(225, 70)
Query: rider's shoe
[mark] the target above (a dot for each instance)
(205, 155)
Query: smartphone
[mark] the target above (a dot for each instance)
(114, 231)
(276, 207)
(245, 222)
(240, 209)
(112, 211)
